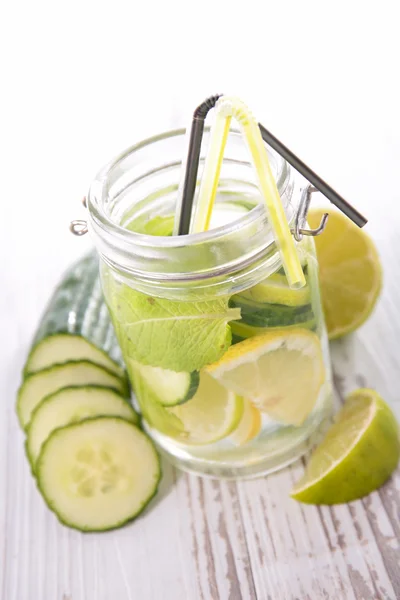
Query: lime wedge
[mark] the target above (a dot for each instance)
(358, 454)
(349, 270)
(213, 413)
(281, 372)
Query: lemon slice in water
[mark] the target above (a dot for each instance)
(213, 412)
(249, 426)
(281, 372)
(275, 290)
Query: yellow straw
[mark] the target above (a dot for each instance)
(226, 108)
(212, 169)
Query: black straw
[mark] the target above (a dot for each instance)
(192, 164)
(313, 178)
(192, 167)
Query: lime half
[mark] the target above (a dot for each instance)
(213, 413)
(358, 454)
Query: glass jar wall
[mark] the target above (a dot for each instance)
(229, 366)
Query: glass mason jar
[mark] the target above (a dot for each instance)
(186, 308)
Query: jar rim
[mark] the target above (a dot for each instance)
(101, 220)
(226, 250)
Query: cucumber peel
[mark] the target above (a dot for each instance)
(170, 387)
(270, 315)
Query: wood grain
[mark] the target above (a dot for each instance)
(202, 539)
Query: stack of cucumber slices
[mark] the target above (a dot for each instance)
(94, 466)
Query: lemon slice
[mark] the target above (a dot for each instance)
(249, 426)
(242, 330)
(213, 412)
(350, 273)
(275, 290)
(281, 372)
(358, 454)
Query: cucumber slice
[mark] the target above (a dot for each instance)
(60, 348)
(170, 387)
(70, 405)
(98, 474)
(152, 410)
(39, 385)
(270, 315)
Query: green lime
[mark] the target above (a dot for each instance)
(359, 453)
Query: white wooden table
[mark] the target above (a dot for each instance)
(87, 82)
(201, 539)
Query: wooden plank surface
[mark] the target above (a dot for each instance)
(204, 539)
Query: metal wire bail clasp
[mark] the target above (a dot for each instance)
(301, 218)
(79, 226)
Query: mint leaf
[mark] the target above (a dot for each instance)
(181, 336)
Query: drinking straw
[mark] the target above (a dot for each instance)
(190, 170)
(212, 169)
(190, 167)
(321, 185)
(228, 107)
